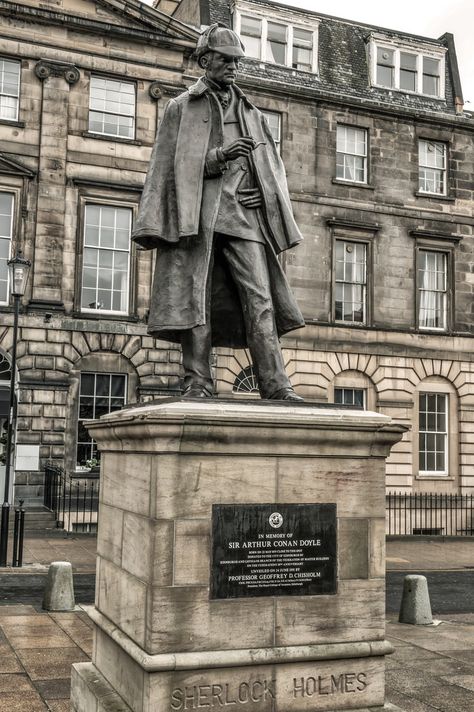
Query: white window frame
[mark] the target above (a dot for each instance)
(116, 80)
(10, 239)
(94, 397)
(279, 19)
(420, 50)
(444, 292)
(445, 432)
(87, 310)
(352, 389)
(17, 97)
(443, 171)
(266, 113)
(364, 284)
(346, 127)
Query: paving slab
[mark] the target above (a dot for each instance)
(429, 554)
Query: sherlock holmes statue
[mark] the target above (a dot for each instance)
(216, 208)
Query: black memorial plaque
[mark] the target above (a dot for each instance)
(273, 550)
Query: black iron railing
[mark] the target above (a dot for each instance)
(74, 500)
(429, 513)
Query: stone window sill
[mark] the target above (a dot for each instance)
(113, 139)
(353, 184)
(16, 124)
(105, 317)
(444, 478)
(435, 196)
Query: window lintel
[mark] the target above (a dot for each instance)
(431, 236)
(371, 229)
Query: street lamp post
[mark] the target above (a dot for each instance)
(18, 269)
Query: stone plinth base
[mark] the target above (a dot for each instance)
(161, 643)
(93, 693)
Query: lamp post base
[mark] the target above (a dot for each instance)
(4, 533)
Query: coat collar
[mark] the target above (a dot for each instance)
(200, 88)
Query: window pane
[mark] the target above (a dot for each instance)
(407, 80)
(385, 56)
(432, 286)
(9, 89)
(276, 43)
(433, 432)
(302, 59)
(106, 267)
(250, 26)
(112, 107)
(432, 167)
(349, 396)
(351, 157)
(250, 32)
(6, 235)
(385, 76)
(385, 67)
(350, 275)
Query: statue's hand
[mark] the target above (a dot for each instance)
(240, 148)
(251, 197)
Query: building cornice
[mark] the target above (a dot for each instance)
(101, 27)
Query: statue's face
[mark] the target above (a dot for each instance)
(220, 68)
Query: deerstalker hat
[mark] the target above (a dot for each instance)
(219, 38)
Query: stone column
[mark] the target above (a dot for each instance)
(162, 642)
(57, 78)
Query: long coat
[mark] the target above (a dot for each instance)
(177, 214)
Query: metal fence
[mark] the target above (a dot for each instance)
(429, 513)
(74, 500)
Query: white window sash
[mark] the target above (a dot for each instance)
(444, 434)
(114, 250)
(10, 241)
(115, 114)
(14, 96)
(429, 295)
(443, 172)
(420, 53)
(289, 37)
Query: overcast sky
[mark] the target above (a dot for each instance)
(430, 18)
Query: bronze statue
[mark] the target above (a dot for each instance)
(216, 208)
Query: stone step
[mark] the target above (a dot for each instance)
(91, 691)
(35, 520)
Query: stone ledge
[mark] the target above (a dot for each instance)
(245, 427)
(90, 689)
(236, 658)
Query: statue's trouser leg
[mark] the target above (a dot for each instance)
(196, 346)
(247, 263)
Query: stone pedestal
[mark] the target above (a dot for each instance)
(161, 643)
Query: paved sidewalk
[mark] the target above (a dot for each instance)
(432, 669)
(430, 554)
(36, 653)
(39, 552)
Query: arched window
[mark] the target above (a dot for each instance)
(353, 388)
(246, 381)
(435, 432)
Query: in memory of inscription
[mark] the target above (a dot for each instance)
(273, 550)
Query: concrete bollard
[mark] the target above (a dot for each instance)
(415, 607)
(59, 591)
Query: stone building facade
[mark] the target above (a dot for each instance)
(380, 162)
